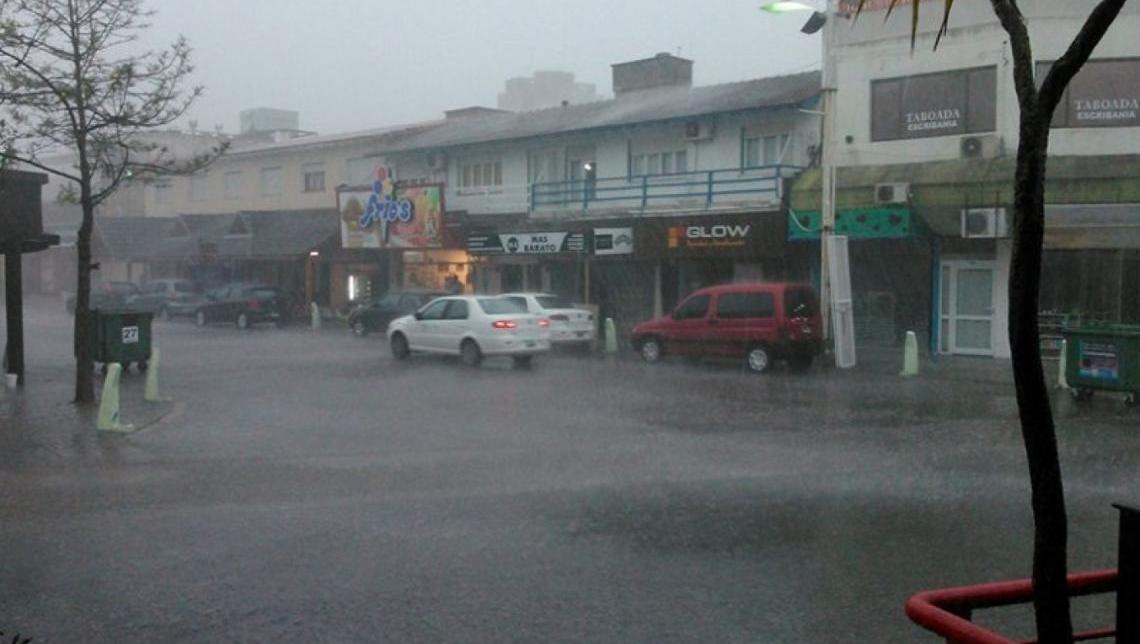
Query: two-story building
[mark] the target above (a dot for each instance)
(925, 141)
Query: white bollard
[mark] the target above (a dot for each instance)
(11, 380)
(1063, 365)
(108, 419)
(611, 337)
(151, 392)
(910, 355)
(315, 316)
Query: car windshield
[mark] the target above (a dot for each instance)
(553, 302)
(598, 321)
(499, 306)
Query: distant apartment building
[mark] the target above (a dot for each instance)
(545, 89)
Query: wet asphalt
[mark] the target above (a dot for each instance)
(305, 487)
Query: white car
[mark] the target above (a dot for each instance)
(568, 326)
(472, 327)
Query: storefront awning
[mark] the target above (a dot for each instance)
(1082, 226)
(881, 222)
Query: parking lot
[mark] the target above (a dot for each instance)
(305, 486)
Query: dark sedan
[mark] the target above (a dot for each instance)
(375, 315)
(243, 305)
(107, 295)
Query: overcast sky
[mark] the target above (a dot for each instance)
(357, 64)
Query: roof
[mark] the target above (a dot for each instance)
(381, 134)
(136, 237)
(635, 107)
(278, 233)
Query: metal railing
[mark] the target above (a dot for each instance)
(703, 189)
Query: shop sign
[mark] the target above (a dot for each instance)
(391, 215)
(939, 104)
(853, 223)
(708, 236)
(527, 243)
(613, 241)
(1105, 93)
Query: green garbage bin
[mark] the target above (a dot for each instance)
(1103, 357)
(121, 336)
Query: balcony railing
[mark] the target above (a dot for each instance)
(695, 190)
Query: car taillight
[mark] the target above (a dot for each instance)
(545, 323)
(560, 317)
(504, 324)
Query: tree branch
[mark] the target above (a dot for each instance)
(36, 164)
(1090, 35)
(1014, 24)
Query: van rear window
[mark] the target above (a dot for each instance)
(745, 305)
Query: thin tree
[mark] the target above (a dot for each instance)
(1037, 99)
(74, 81)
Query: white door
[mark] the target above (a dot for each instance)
(424, 333)
(967, 308)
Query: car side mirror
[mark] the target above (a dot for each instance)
(419, 315)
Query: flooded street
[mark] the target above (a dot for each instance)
(305, 486)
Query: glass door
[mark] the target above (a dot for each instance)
(967, 308)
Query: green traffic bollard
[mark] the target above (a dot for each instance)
(611, 337)
(910, 355)
(151, 392)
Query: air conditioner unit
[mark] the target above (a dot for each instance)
(437, 161)
(699, 131)
(984, 223)
(982, 146)
(892, 193)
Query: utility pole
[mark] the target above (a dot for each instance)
(827, 170)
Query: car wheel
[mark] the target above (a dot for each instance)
(524, 362)
(242, 321)
(651, 350)
(200, 318)
(142, 365)
(470, 353)
(758, 359)
(359, 329)
(399, 346)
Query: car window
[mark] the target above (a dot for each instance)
(799, 302)
(263, 292)
(693, 308)
(553, 302)
(518, 301)
(389, 301)
(184, 287)
(413, 302)
(434, 311)
(457, 310)
(499, 305)
(745, 305)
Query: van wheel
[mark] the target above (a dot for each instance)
(200, 318)
(399, 345)
(758, 359)
(651, 350)
(470, 353)
(242, 321)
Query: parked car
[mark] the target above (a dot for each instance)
(243, 305)
(761, 323)
(107, 295)
(375, 315)
(472, 327)
(168, 298)
(569, 326)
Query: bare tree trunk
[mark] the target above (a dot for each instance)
(84, 360)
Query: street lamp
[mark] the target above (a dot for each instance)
(822, 20)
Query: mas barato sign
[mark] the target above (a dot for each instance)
(527, 243)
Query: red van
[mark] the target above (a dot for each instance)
(760, 323)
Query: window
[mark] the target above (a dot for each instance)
(957, 102)
(232, 188)
(519, 301)
(654, 163)
(199, 187)
(434, 311)
(499, 305)
(457, 310)
(162, 193)
(481, 174)
(313, 177)
(693, 308)
(542, 167)
(271, 181)
(553, 302)
(762, 151)
(745, 305)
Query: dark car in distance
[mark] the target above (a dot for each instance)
(168, 298)
(243, 305)
(107, 295)
(374, 316)
(759, 323)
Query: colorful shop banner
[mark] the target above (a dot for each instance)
(855, 223)
(526, 243)
(391, 215)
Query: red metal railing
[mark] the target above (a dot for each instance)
(947, 611)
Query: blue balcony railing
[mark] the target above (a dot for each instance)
(703, 189)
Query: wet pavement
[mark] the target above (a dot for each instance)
(305, 487)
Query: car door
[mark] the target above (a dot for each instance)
(453, 326)
(688, 325)
(742, 319)
(423, 330)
